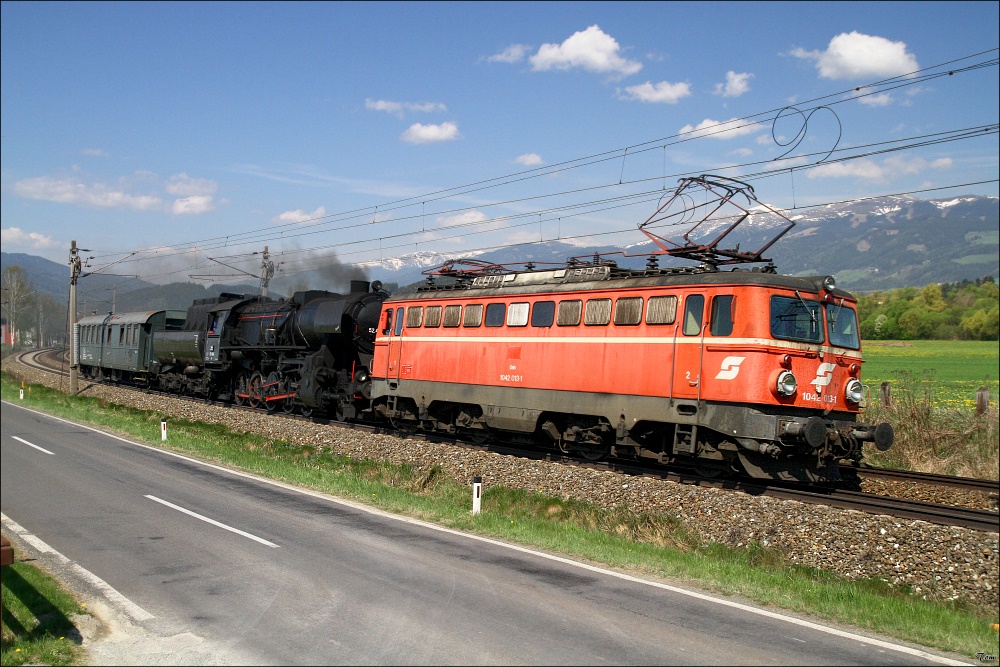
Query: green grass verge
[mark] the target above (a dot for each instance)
(651, 545)
(38, 613)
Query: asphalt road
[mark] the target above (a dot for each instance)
(255, 572)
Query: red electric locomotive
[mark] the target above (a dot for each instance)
(742, 371)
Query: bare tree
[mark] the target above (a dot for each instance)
(17, 296)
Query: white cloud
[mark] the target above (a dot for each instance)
(663, 92)
(16, 237)
(529, 159)
(879, 100)
(716, 129)
(298, 215)
(512, 54)
(69, 190)
(591, 49)
(193, 205)
(96, 152)
(398, 108)
(735, 85)
(871, 170)
(425, 134)
(855, 55)
(183, 185)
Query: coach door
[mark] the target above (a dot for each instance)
(688, 348)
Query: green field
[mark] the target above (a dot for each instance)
(947, 373)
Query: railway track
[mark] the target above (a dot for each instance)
(53, 361)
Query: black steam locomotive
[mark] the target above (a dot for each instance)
(308, 353)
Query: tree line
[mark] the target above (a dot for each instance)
(31, 317)
(965, 310)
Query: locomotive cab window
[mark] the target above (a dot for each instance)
(569, 313)
(694, 307)
(843, 324)
(452, 316)
(414, 317)
(543, 313)
(433, 316)
(517, 315)
(387, 327)
(495, 314)
(722, 315)
(794, 318)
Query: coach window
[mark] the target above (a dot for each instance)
(722, 315)
(597, 313)
(495, 314)
(433, 316)
(452, 316)
(414, 317)
(473, 315)
(628, 311)
(543, 313)
(517, 315)
(398, 331)
(569, 313)
(694, 306)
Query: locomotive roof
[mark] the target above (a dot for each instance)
(603, 278)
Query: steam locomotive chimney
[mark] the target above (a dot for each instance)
(359, 286)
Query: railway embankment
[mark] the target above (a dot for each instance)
(936, 562)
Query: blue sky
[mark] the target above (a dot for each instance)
(158, 135)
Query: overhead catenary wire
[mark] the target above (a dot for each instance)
(328, 223)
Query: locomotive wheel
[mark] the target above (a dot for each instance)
(288, 406)
(271, 390)
(254, 389)
(239, 389)
(338, 412)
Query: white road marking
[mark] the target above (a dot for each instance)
(136, 612)
(214, 522)
(41, 449)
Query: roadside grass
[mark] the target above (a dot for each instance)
(38, 612)
(651, 545)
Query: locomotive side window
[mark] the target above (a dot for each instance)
(796, 319)
(495, 314)
(543, 313)
(517, 315)
(661, 310)
(452, 316)
(628, 311)
(722, 315)
(569, 313)
(414, 317)
(433, 316)
(843, 323)
(473, 315)
(598, 312)
(398, 331)
(694, 306)
(387, 329)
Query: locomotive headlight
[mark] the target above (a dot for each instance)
(786, 384)
(854, 391)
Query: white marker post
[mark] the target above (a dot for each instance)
(163, 430)
(477, 494)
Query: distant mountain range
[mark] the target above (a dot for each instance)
(877, 244)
